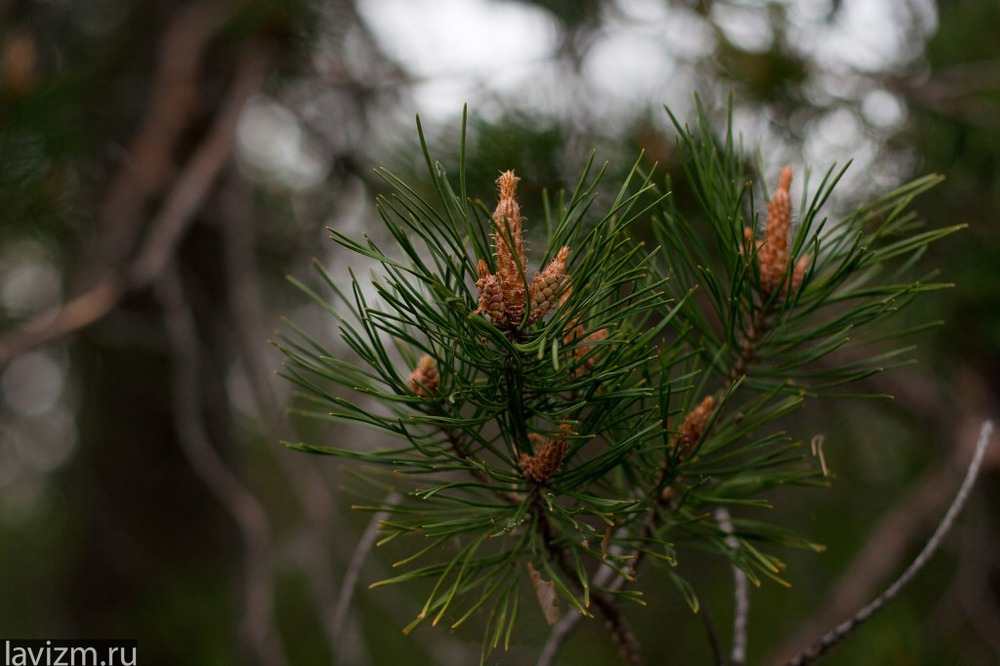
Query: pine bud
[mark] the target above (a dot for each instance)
(799, 272)
(547, 459)
(504, 297)
(548, 285)
(509, 243)
(693, 427)
(773, 255)
(491, 300)
(424, 379)
(773, 252)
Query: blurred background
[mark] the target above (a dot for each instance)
(164, 165)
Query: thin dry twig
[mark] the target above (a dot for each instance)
(361, 553)
(835, 635)
(741, 602)
(257, 628)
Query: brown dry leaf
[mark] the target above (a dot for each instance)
(606, 541)
(548, 598)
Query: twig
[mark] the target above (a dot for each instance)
(257, 627)
(166, 229)
(835, 635)
(738, 653)
(361, 553)
(56, 322)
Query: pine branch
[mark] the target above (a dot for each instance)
(534, 408)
